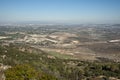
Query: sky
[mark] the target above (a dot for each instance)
(60, 11)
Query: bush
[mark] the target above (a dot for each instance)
(21, 72)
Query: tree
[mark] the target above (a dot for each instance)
(21, 72)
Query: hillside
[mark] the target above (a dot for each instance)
(62, 69)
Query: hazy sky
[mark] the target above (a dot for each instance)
(64, 11)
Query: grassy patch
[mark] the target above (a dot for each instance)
(59, 55)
